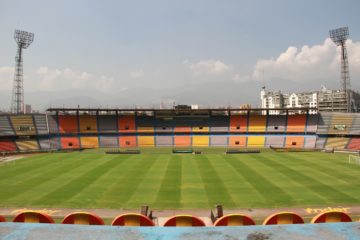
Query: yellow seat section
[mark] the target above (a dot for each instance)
(200, 129)
(200, 141)
(340, 123)
(257, 123)
(256, 141)
(23, 124)
(336, 142)
(146, 141)
(145, 129)
(26, 145)
(88, 124)
(89, 142)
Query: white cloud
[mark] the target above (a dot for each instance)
(6, 78)
(136, 73)
(208, 67)
(309, 63)
(59, 79)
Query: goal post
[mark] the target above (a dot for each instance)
(353, 159)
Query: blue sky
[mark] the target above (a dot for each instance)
(171, 46)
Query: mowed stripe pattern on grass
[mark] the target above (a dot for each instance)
(165, 181)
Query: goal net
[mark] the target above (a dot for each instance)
(353, 159)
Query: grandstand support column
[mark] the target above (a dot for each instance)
(78, 126)
(98, 128)
(117, 128)
(306, 121)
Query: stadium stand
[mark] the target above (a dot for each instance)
(238, 123)
(336, 142)
(127, 124)
(182, 140)
(164, 129)
(354, 143)
(109, 142)
(310, 142)
(23, 124)
(55, 143)
(53, 124)
(311, 125)
(145, 124)
(218, 140)
(237, 141)
(256, 141)
(296, 123)
(340, 123)
(324, 121)
(89, 142)
(294, 141)
(132, 220)
(146, 141)
(283, 218)
(107, 124)
(257, 123)
(127, 141)
(164, 141)
(70, 143)
(275, 141)
(68, 124)
(219, 124)
(355, 128)
(320, 142)
(7, 146)
(83, 218)
(332, 216)
(200, 129)
(5, 126)
(44, 143)
(33, 217)
(200, 141)
(276, 123)
(41, 124)
(88, 124)
(27, 145)
(234, 220)
(184, 221)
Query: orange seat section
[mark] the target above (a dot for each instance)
(238, 123)
(88, 124)
(237, 141)
(294, 141)
(182, 141)
(133, 220)
(182, 129)
(89, 142)
(127, 124)
(354, 144)
(296, 123)
(68, 124)
(332, 216)
(234, 220)
(127, 141)
(70, 142)
(33, 217)
(83, 218)
(184, 221)
(283, 218)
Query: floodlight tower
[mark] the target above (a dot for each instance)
(339, 37)
(23, 40)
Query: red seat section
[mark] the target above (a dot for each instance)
(83, 218)
(33, 217)
(7, 146)
(234, 220)
(332, 216)
(127, 124)
(184, 221)
(132, 219)
(70, 142)
(296, 123)
(68, 124)
(2, 219)
(354, 144)
(283, 218)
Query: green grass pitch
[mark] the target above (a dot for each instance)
(162, 180)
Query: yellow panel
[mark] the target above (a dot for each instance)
(146, 141)
(23, 124)
(285, 219)
(337, 142)
(256, 141)
(81, 219)
(340, 121)
(24, 145)
(257, 124)
(200, 141)
(132, 220)
(200, 129)
(88, 124)
(89, 142)
(145, 129)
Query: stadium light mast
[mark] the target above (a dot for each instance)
(23, 40)
(339, 37)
